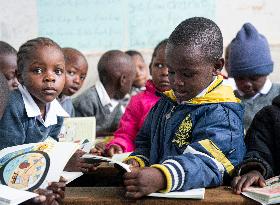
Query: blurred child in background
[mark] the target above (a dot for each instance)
(8, 64)
(250, 63)
(142, 74)
(116, 73)
(140, 104)
(76, 67)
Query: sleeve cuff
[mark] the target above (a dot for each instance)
(138, 159)
(167, 175)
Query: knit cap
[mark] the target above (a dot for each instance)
(249, 53)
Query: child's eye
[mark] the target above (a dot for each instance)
(71, 73)
(37, 70)
(83, 77)
(171, 73)
(59, 71)
(159, 65)
(188, 75)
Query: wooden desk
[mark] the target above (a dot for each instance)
(115, 196)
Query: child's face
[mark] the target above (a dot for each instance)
(250, 86)
(76, 73)
(189, 72)
(44, 74)
(159, 71)
(141, 71)
(8, 66)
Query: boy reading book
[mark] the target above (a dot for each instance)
(193, 136)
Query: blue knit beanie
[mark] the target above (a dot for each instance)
(249, 53)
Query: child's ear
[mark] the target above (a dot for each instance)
(19, 77)
(122, 80)
(218, 66)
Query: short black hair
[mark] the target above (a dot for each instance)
(199, 32)
(110, 65)
(28, 48)
(6, 49)
(133, 53)
(4, 93)
(158, 46)
(68, 55)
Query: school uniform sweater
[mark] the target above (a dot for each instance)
(89, 104)
(66, 103)
(253, 105)
(195, 144)
(17, 128)
(263, 142)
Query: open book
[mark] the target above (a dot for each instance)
(31, 166)
(13, 196)
(78, 129)
(270, 194)
(97, 159)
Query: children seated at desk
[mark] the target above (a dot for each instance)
(140, 104)
(193, 136)
(263, 149)
(142, 74)
(8, 64)
(250, 63)
(116, 73)
(55, 191)
(33, 114)
(76, 67)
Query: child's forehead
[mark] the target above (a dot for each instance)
(185, 54)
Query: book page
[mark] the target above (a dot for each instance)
(32, 166)
(13, 196)
(78, 129)
(97, 159)
(190, 194)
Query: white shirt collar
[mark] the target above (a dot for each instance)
(265, 89)
(53, 109)
(104, 97)
(203, 92)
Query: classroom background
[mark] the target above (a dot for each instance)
(95, 26)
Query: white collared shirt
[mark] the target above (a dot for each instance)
(53, 109)
(203, 92)
(265, 89)
(105, 99)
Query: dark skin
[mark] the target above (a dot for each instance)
(241, 183)
(250, 85)
(52, 195)
(159, 72)
(122, 73)
(189, 74)
(8, 66)
(76, 72)
(141, 71)
(44, 75)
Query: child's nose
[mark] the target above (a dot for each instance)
(49, 78)
(165, 71)
(77, 80)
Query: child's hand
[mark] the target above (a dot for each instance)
(78, 164)
(114, 149)
(99, 149)
(141, 182)
(46, 197)
(240, 183)
(58, 188)
(132, 163)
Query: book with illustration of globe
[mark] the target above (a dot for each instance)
(31, 166)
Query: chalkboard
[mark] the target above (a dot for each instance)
(98, 25)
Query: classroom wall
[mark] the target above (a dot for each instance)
(94, 26)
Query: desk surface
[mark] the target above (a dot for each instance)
(115, 195)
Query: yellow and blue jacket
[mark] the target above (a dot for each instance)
(195, 144)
